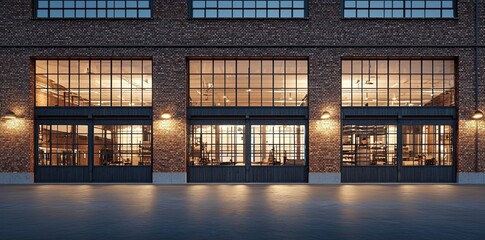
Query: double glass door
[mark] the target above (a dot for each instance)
(92, 151)
(248, 151)
(399, 151)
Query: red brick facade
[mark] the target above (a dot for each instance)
(170, 37)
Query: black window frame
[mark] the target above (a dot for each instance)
(399, 74)
(35, 12)
(235, 103)
(191, 12)
(404, 9)
(89, 75)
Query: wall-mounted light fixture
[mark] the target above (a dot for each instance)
(166, 115)
(9, 115)
(477, 115)
(325, 115)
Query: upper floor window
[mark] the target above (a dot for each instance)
(96, 83)
(399, 8)
(402, 82)
(249, 8)
(247, 82)
(92, 8)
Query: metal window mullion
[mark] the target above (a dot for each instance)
(142, 87)
(50, 144)
(261, 82)
(212, 84)
(351, 83)
(410, 81)
(69, 81)
(235, 84)
(296, 83)
(399, 83)
(249, 81)
(388, 84)
(131, 85)
(444, 83)
(377, 82)
(57, 82)
(224, 97)
(421, 81)
(284, 82)
(362, 83)
(272, 81)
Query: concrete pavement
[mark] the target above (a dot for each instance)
(242, 212)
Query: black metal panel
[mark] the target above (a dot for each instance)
(251, 112)
(93, 112)
(369, 174)
(282, 174)
(57, 174)
(217, 174)
(220, 174)
(428, 174)
(122, 174)
(424, 113)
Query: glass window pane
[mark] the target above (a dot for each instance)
(398, 9)
(73, 81)
(248, 9)
(253, 78)
(369, 145)
(399, 82)
(93, 9)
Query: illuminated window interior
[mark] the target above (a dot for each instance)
(277, 145)
(422, 145)
(224, 83)
(398, 83)
(114, 145)
(78, 83)
(62, 145)
(122, 145)
(369, 145)
(217, 145)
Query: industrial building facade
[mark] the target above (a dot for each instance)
(241, 91)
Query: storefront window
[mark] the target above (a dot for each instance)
(422, 145)
(97, 83)
(271, 145)
(216, 145)
(369, 145)
(427, 145)
(122, 145)
(393, 83)
(230, 83)
(62, 145)
(277, 145)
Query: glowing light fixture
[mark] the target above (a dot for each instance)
(325, 115)
(477, 115)
(166, 115)
(9, 115)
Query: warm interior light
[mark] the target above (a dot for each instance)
(477, 115)
(9, 115)
(166, 116)
(325, 115)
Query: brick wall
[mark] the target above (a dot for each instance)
(170, 26)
